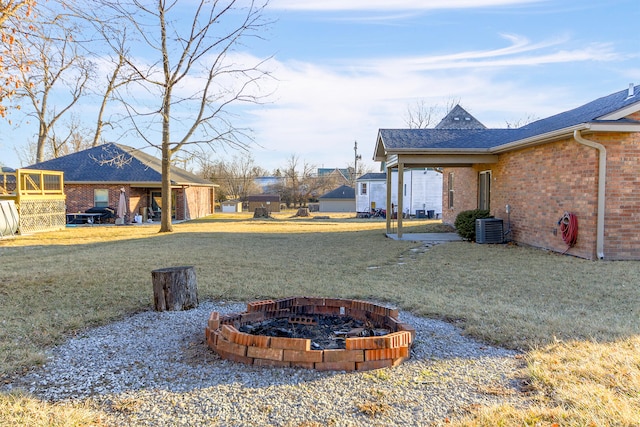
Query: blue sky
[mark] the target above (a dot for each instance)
(346, 68)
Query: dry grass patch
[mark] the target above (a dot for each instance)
(575, 384)
(17, 410)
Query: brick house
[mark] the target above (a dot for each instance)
(95, 177)
(585, 161)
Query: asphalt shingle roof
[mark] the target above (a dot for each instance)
(342, 192)
(115, 163)
(489, 138)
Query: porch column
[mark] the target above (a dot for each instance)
(400, 196)
(389, 212)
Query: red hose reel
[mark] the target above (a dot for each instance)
(569, 229)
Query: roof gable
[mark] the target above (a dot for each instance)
(115, 163)
(459, 118)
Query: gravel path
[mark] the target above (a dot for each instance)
(154, 369)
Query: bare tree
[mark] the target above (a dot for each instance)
(421, 116)
(529, 118)
(13, 16)
(299, 184)
(236, 178)
(186, 81)
(56, 68)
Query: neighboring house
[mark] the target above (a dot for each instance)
(342, 175)
(94, 178)
(342, 199)
(422, 192)
(584, 161)
(269, 201)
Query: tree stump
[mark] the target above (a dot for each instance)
(261, 213)
(174, 288)
(303, 212)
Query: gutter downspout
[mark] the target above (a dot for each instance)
(602, 177)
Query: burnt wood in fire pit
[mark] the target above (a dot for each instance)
(328, 334)
(325, 332)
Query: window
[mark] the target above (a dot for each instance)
(484, 190)
(101, 198)
(363, 188)
(450, 189)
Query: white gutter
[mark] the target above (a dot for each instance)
(602, 176)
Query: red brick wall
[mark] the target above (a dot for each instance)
(465, 183)
(80, 197)
(543, 182)
(199, 202)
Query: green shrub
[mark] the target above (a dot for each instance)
(466, 222)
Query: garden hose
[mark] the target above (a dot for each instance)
(569, 229)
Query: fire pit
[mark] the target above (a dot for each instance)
(314, 333)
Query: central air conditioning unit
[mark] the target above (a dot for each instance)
(489, 230)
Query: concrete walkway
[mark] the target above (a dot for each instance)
(427, 237)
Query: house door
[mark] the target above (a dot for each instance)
(484, 190)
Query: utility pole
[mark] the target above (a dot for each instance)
(355, 163)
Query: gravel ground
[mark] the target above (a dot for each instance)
(154, 369)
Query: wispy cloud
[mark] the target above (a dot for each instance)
(320, 109)
(385, 5)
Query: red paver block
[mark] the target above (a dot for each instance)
(235, 357)
(265, 353)
(285, 303)
(214, 321)
(398, 339)
(311, 356)
(335, 366)
(338, 302)
(373, 364)
(266, 305)
(303, 365)
(327, 310)
(365, 343)
(229, 332)
(302, 301)
(386, 353)
(272, 363)
(256, 316)
(252, 340)
(343, 356)
(291, 343)
(231, 347)
(230, 319)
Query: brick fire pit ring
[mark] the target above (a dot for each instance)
(360, 353)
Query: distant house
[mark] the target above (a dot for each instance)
(269, 201)
(421, 191)
(583, 162)
(231, 206)
(94, 178)
(342, 199)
